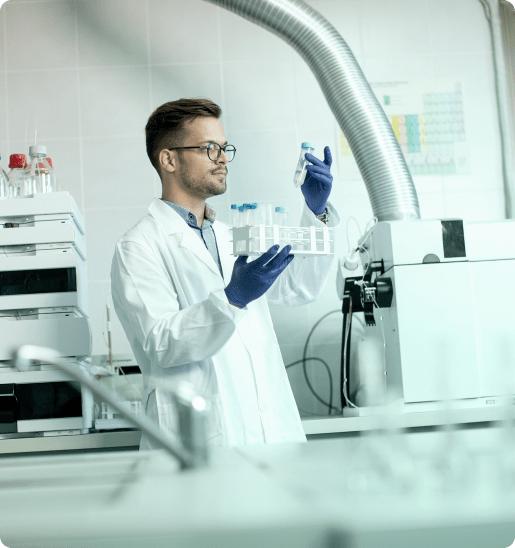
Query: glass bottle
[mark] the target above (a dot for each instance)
(4, 184)
(17, 163)
(39, 176)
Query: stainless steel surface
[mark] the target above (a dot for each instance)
(25, 354)
(363, 121)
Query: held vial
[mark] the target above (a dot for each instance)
(300, 170)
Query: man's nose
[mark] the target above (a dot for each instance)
(223, 158)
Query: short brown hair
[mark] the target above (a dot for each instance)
(166, 126)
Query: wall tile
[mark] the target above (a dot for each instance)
(2, 50)
(51, 28)
(3, 108)
(246, 41)
(99, 296)
(450, 25)
(399, 27)
(428, 183)
(330, 352)
(264, 165)
(383, 66)
(312, 110)
(475, 206)
(345, 17)
(47, 98)
(104, 227)
(173, 82)
(288, 331)
(183, 32)
(114, 101)
(259, 95)
(112, 33)
(117, 172)
(432, 206)
(5, 153)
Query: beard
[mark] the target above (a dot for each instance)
(203, 187)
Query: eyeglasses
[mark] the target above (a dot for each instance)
(214, 150)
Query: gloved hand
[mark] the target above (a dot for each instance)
(318, 182)
(250, 281)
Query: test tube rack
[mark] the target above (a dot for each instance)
(254, 240)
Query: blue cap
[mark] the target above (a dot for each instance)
(240, 208)
(282, 209)
(308, 145)
(253, 205)
(234, 206)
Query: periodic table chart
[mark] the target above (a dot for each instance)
(428, 121)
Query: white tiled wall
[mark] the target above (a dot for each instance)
(90, 72)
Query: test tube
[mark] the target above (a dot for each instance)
(235, 216)
(254, 213)
(300, 170)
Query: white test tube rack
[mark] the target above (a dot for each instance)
(254, 240)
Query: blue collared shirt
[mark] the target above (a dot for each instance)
(204, 232)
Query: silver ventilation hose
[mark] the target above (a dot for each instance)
(361, 118)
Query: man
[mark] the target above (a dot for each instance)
(190, 311)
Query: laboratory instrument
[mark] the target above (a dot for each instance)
(435, 289)
(43, 301)
(191, 450)
(300, 170)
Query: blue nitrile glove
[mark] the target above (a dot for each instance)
(251, 280)
(318, 182)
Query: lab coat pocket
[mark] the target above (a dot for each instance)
(168, 417)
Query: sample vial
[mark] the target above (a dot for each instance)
(235, 216)
(281, 216)
(300, 170)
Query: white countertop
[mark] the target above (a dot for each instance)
(285, 495)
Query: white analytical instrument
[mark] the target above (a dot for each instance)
(43, 302)
(443, 291)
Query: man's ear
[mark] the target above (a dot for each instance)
(168, 160)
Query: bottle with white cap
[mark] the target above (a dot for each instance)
(38, 176)
(4, 184)
(300, 170)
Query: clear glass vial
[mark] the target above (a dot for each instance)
(300, 170)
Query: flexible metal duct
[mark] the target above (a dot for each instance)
(363, 121)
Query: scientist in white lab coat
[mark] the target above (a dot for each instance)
(189, 309)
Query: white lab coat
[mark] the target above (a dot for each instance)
(169, 296)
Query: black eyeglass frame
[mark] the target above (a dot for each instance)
(208, 148)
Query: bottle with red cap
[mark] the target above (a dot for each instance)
(4, 183)
(39, 176)
(17, 163)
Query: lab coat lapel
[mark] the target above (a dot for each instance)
(224, 242)
(172, 223)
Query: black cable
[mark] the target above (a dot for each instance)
(304, 359)
(342, 365)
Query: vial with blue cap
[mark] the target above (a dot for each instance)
(300, 171)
